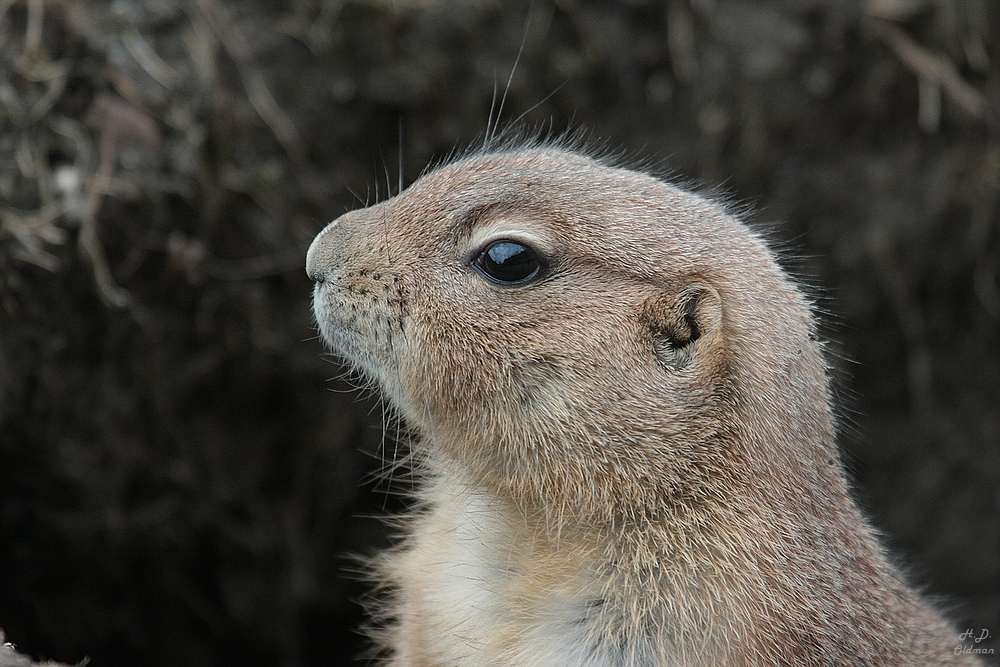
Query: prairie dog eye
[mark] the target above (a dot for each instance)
(508, 262)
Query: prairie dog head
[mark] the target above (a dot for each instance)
(572, 333)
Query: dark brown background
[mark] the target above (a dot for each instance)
(179, 475)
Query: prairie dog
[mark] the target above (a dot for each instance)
(625, 436)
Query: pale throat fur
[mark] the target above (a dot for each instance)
(624, 429)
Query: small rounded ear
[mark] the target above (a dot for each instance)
(683, 323)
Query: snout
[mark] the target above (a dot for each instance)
(319, 258)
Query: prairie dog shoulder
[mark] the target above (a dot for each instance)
(624, 428)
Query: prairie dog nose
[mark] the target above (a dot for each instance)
(319, 255)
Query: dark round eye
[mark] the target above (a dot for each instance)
(508, 262)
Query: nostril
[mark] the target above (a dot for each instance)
(313, 271)
(320, 256)
(314, 263)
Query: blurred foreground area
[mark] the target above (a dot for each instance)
(180, 478)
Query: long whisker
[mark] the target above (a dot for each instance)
(491, 135)
(538, 104)
(400, 186)
(489, 118)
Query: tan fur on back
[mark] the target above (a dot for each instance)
(627, 461)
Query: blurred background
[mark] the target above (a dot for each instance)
(181, 473)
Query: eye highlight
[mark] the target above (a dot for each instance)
(508, 262)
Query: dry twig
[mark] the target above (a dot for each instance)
(118, 123)
(935, 72)
(256, 88)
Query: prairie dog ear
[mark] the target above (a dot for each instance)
(683, 323)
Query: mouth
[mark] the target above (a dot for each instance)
(334, 328)
(338, 327)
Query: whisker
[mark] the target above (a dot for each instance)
(489, 117)
(491, 135)
(400, 186)
(363, 202)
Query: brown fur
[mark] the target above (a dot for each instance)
(629, 461)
